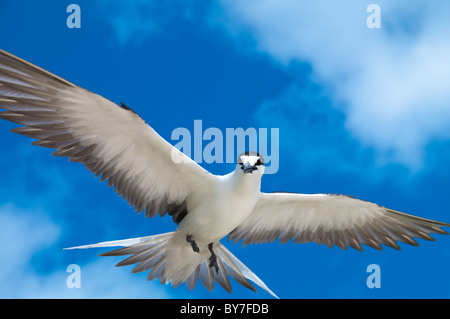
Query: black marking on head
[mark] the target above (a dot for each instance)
(252, 153)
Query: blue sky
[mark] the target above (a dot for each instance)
(360, 111)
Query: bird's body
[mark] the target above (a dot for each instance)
(226, 205)
(154, 177)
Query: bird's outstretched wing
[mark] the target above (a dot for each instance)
(331, 219)
(110, 140)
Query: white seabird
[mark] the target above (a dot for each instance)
(114, 142)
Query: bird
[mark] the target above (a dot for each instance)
(114, 142)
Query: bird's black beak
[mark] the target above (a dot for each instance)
(247, 168)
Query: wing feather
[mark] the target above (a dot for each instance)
(111, 141)
(327, 219)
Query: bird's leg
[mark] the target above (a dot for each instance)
(213, 258)
(193, 243)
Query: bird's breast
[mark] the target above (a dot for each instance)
(218, 214)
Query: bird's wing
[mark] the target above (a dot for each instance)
(331, 219)
(109, 140)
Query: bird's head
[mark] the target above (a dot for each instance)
(250, 163)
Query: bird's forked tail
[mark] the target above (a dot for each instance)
(153, 252)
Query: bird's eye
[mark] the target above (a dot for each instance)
(259, 162)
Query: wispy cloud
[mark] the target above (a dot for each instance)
(313, 132)
(135, 22)
(48, 214)
(25, 235)
(391, 83)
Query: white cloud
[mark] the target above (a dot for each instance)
(312, 131)
(26, 234)
(21, 236)
(391, 83)
(394, 81)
